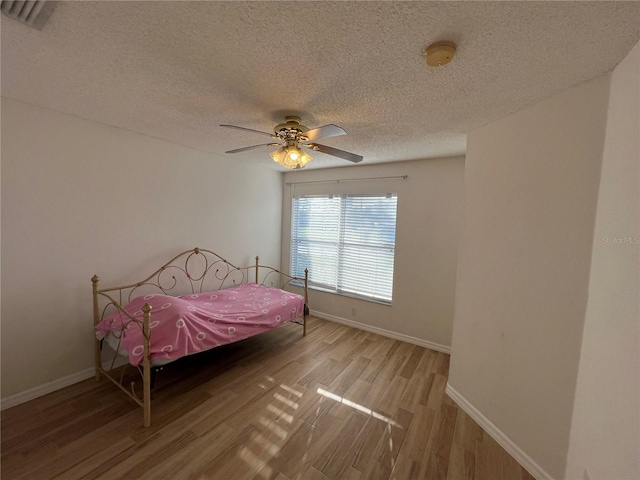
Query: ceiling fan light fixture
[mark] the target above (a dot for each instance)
(291, 157)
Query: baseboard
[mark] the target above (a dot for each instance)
(505, 442)
(381, 331)
(50, 387)
(41, 390)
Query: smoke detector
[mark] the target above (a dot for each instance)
(440, 53)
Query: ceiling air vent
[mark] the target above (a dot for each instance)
(33, 13)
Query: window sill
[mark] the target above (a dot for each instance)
(346, 294)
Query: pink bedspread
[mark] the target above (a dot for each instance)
(193, 323)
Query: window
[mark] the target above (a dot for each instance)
(347, 242)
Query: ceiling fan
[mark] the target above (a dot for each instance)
(291, 135)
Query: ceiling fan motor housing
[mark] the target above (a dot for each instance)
(291, 129)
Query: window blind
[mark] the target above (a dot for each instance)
(347, 242)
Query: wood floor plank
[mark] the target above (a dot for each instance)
(36, 419)
(412, 394)
(317, 440)
(98, 442)
(314, 474)
(363, 449)
(339, 335)
(293, 453)
(467, 432)
(294, 371)
(60, 433)
(319, 350)
(248, 454)
(351, 474)
(337, 404)
(80, 467)
(346, 348)
(374, 471)
(391, 441)
(435, 467)
(405, 468)
(348, 376)
(208, 415)
(175, 445)
(433, 397)
(394, 365)
(444, 440)
(426, 364)
(171, 411)
(324, 372)
(488, 462)
(381, 358)
(511, 470)
(411, 365)
(188, 461)
(417, 438)
(352, 398)
(265, 405)
(441, 365)
(16, 465)
(320, 408)
(462, 464)
(335, 459)
(390, 400)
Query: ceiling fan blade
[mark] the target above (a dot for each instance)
(330, 130)
(244, 149)
(249, 130)
(352, 157)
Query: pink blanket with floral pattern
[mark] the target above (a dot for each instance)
(188, 324)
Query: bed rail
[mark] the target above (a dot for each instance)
(193, 271)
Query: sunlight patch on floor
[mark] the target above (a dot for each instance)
(280, 413)
(256, 463)
(274, 427)
(357, 406)
(269, 443)
(291, 390)
(286, 401)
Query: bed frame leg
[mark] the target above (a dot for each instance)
(96, 318)
(306, 302)
(257, 266)
(146, 364)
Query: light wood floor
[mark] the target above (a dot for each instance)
(339, 403)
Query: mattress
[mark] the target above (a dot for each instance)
(189, 324)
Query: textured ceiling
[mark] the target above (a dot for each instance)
(176, 70)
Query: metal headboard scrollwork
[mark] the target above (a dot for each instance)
(193, 271)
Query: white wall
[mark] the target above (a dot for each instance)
(428, 228)
(80, 198)
(531, 185)
(605, 433)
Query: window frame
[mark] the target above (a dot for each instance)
(340, 246)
